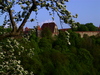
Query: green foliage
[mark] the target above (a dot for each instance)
(75, 39)
(26, 7)
(82, 27)
(44, 44)
(10, 52)
(91, 27)
(46, 32)
(85, 27)
(62, 42)
(4, 30)
(67, 54)
(52, 56)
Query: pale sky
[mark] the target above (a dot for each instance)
(88, 12)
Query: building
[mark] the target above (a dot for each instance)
(89, 33)
(38, 31)
(27, 30)
(82, 33)
(52, 26)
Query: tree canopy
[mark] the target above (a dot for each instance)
(27, 56)
(12, 16)
(85, 27)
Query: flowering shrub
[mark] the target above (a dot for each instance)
(68, 36)
(4, 30)
(9, 64)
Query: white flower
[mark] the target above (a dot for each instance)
(13, 50)
(5, 8)
(19, 61)
(19, 53)
(8, 41)
(69, 43)
(31, 73)
(4, 52)
(8, 1)
(11, 46)
(1, 53)
(12, 53)
(7, 46)
(17, 43)
(3, 63)
(67, 32)
(6, 62)
(30, 6)
(26, 72)
(22, 47)
(22, 6)
(12, 10)
(19, 2)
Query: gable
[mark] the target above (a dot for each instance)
(51, 26)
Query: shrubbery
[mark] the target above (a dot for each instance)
(49, 56)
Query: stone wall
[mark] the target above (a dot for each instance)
(89, 33)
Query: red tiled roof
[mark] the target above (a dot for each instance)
(27, 29)
(38, 28)
(51, 26)
(65, 29)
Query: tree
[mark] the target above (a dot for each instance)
(61, 42)
(91, 27)
(12, 54)
(46, 33)
(27, 7)
(82, 27)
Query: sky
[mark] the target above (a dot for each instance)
(88, 12)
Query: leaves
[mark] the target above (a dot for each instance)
(51, 56)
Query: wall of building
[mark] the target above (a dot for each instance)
(89, 33)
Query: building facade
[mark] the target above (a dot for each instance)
(51, 26)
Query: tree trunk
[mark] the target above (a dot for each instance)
(17, 31)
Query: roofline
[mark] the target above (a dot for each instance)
(87, 31)
(49, 23)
